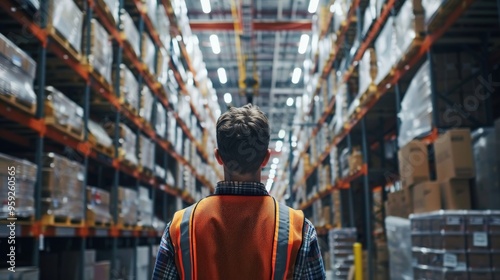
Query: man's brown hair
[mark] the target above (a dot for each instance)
(243, 138)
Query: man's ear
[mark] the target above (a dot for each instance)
(266, 158)
(218, 157)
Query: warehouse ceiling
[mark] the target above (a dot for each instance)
(263, 48)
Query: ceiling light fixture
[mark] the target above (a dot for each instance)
(214, 41)
(304, 41)
(296, 75)
(228, 98)
(205, 6)
(222, 75)
(313, 6)
(281, 134)
(289, 102)
(276, 160)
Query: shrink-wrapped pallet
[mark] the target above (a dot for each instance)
(409, 23)
(129, 88)
(114, 8)
(147, 104)
(161, 120)
(147, 153)
(17, 176)
(151, 10)
(17, 73)
(416, 107)
(400, 249)
(148, 52)
(127, 141)
(127, 206)
(62, 187)
(98, 206)
(62, 111)
(341, 243)
(101, 50)
(99, 136)
(67, 19)
(145, 209)
(367, 71)
(162, 67)
(385, 50)
(163, 26)
(341, 107)
(130, 33)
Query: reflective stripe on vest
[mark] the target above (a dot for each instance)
(195, 259)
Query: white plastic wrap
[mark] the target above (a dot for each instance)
(131, 33)
(151, 9)
(416, 107)
(128, 140)
(114, 8)
(163, 26)
(129, 88)
(17, 72)
(340, 12)
(400, 249)
(101, 50)
(62, 187)
(365, 71)
(341, 243)
(431, 7)
(162, 67)
(148, 52)
(368, 19)
(406, 25)
(100, 134)
(98, 203)
(127, 206)
(385, 49)
(161, 120)
(64, 110)
(341, 107)
(24, 188)
(147, 104)
(147, 153)
(67, 19)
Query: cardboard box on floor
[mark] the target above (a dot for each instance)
(456, 194)
(413, 161)
(453, 155)
(399, 203)
(426, 197)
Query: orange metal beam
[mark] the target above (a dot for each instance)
(299, 25)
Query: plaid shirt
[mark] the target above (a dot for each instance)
(309, 264)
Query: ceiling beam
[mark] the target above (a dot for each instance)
(297, 25)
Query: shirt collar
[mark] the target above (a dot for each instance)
(240, 188)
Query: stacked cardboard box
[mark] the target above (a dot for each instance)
(62, 187)
(341, 243)
(98, 206)
(67, 19)
(63, 111)
(129, 88)
(486, 192)
(145, 209)
(18, 72)
(24, 174)
(456, 245)
(355, 160)
(127, 206)
(400, 248)
(101, 50)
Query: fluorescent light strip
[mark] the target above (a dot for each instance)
(296, 77)
(281, 134)
(304, 41)
(228, 98)
(214, 41)
(205, 6)
(222, 75)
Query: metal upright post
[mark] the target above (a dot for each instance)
(290, 199)
(350, 191)
(435, 94)
(368, 205)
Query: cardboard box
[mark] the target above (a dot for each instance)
(456, 194)
(413, 163)
(453, 155)
(426, 197)
(399, 204)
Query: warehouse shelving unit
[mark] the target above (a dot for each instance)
(25, 130)
(358, 187)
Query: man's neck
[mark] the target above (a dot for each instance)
(251, 177)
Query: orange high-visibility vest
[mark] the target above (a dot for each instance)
(236, 237)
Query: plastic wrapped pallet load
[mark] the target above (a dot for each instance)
(408, 24)
(130, 33)
(98, 206)
(147, 104)
(400, 249)
(63, 112)
(17, 73)
(127, 140)
(148, 52)
(129, 88)
(341, 107)
(101, 50)
(23, 186)
(127, 206)
(98, 136)
(161, 120)
(147, 153)
(163, 26)
(385, 50)
(113, 6)
(416, 107)
(67, 19)
(367, 72)
(62, 188)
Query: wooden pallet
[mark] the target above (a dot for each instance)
(52, 220)
(107, 151)
(121, 224)
(368, 95)
(146, 171)
(94, 221)
(18, 103)
(125, 161)
(52, 121)
(63, 42)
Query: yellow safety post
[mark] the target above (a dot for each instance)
(358, 261)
